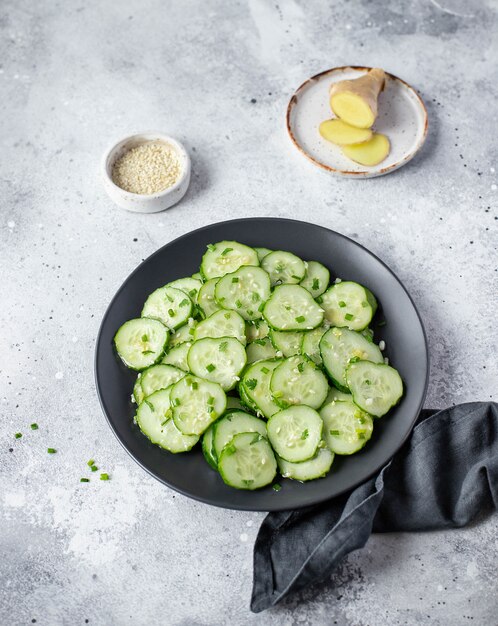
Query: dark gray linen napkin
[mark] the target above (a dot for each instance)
(443, 477)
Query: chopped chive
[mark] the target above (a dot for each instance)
(261, 307)
(305, 434)
(300, 367)
(51, 450)
(210, 247)
(249, 312)
(368, 382)
(300, 319)
(335, 433)
(175, 402)
(210, 367)
(276, 487)
(259, 342)
(211, 400)
(296, 277)
(251, 383)
(90, 463)
(238, 304)
(145, 338)
(316, 284)
(34, 426)
(84, 480)
(18, 435)
(171, 313)
(104, 477)
(319, 299)
(235, 279)
(192, 293)
(223, 346)
(194, 385)
(265, 370)
(210, 409)
(169, 298)
(226, 251)
(364, 304)
(348, 316)
(227, 316)
(185, 302)
(94, 468)
(255, 296)
(354, 359)
(360, 434)
(342, 304)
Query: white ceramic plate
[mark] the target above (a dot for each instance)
(402, 117)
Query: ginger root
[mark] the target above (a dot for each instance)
(343, 134)
(355, 101)
(370, 152)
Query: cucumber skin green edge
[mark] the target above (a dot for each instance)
(209, 454)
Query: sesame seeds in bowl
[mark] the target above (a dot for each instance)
(146, 172)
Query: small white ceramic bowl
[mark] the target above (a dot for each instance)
(141, 203)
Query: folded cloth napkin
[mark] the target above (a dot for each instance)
(443, 477)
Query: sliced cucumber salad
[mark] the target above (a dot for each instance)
(260, 360)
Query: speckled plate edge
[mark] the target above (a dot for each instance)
(360, 173)
(256, 507)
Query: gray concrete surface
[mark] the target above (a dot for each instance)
(73, 76)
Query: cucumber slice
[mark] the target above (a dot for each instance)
(244, 291)
(247, 462)
(177, 356)
(262, 252)
(218, 360)
(205, 300)
(183, 334)
(316, 279)
(207, 447)
(260, 349)
(138, 394)
(222, 324)
(159, 377)
(168, 305)
(288, 343)
(232, 424)
(295, 433)
(338, 346)
(334, 394)
(257, 329)
(346, 427)
(291, 307)
(375, 387)
(317, 467)
(141, 342)
(189, 285)
(349, 305)
(225, 257)
(254, 387)
(311, 344)
(154, 420)
(196, 403)
(283, 267)
(297, 380)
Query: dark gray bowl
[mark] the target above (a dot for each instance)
(189, 473)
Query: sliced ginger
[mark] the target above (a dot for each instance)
(370, 152)
(343, 134)
(355, 101)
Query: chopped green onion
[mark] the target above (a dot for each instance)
(226, 251)
(249, 312)
(175, 402)
(223, 346)
(51, 450)
(194, 385)
(185, 302)
(255, 296)
(296, 277)
(192, 293)
(364, 304)
(300, 367)
(227, 316)
(300, 319)
(94, 468)
(276, 487)
(210, 367)
(261, 307)
(251, 383)
(210, 247)
(34, 426)
(18, 435)
(265, 370)
(305, 434)
(259, 342)
(238, 304)
(335, 433)
(211, 400)
(319, 299)
(90, 463)
(235, 279)
(145, 338)
(104, 477)
(84, 480)
(342, 304)
(171, 313)
(348, 316)
(316, 284)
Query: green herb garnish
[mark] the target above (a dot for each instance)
(235, 279)
(261, 307)
(18, 435)
(84, 480)
(255, 296)
(238, 304)
(305, 434)
(251, 383)
(51, 450)
(104, 477)
(90, 463)
(223, 346)
(210, 247)
(210, 367)
(315, 284)
(185, 302)
(335, 433)
(348, 316)
(171, 313)
(192, 293)
(211, 400)
(342, 304)
(300, 367)
(265, 370)
(300, 319)
(296, 277)
(94, 468)
(276, 487)
(34, 426)
(226, 251)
